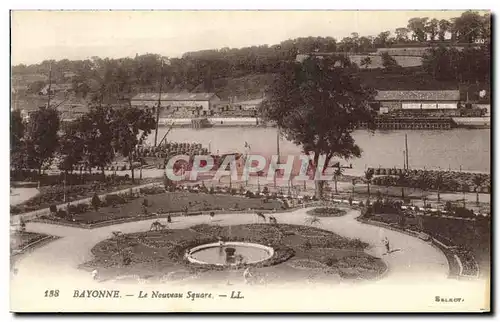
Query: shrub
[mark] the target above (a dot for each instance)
(96, 202)
(249, 194)
(15, 210)
(307, 245)
(265, 190)
(112, 200)
(53, 208)
(212, 190)
(233, 191)
(82, 208)
(61, 214)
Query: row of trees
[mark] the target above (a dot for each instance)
(107, 80)
(467, 66)
(93, 140)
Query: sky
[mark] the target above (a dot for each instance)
(41, 35)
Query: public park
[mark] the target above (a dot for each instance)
(391, 189)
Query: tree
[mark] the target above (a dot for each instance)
(367, 61)
(94, 134)
(72, 146)
(381, 40)
(432, 28)
(17, 144)
(368, 179)
(96, 202)
(417, 26)
(438, 182)
(468, 26)
(444, 27)
(389, 62)
(402, 35)
(338, 172)
(42, 138)
(478, 182)
(130, 127)
(317, 104)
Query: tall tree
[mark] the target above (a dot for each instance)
(381, 40)
(444, 27)
(468, 26)
(42, 138)
(130, 127)
(17, 146)
(432, 28)
(402, 35)
(318, 104)
(417, 26)
(71, 146)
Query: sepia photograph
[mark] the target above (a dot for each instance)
(250, 161)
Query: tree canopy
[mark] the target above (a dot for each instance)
(317, 104)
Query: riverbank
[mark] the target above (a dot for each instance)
(394, 123)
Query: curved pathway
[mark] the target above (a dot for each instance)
(414, 260)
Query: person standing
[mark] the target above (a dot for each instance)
(387, 245)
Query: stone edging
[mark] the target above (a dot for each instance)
(269, 250)
(32, 245)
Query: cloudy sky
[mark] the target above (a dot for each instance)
(40, 35)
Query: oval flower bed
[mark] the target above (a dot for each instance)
(155, 254)
(327, 212)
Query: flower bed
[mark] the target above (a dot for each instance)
(55, 194)
(327, 212)
(452, 181)
(158, 253)
(131, 205)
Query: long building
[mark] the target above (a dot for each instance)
(178, 104)
(445, 102)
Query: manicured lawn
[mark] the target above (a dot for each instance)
(301, 253)
(170, 202)
(54, 195)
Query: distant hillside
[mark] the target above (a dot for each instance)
(242, 88)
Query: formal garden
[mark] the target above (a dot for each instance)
(156, 201)
(300, 253)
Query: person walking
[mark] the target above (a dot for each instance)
(387, 245)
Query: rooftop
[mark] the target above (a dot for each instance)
(447, 95)
(174, 96)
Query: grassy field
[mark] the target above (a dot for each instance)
(170, 202)
(318, 254)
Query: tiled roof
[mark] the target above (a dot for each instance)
(448, 95)
(173, 96)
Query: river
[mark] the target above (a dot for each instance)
(447, 149)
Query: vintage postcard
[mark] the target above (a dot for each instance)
(250, 161)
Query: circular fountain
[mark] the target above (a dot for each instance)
(229, 253)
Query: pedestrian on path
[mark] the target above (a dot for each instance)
(387, 244)
(94, 274)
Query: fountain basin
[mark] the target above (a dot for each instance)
(215, 254)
